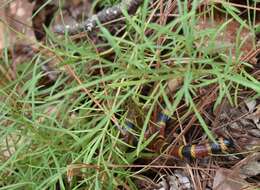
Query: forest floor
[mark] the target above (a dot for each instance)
(157, 94)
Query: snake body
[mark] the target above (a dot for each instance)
(193, 151)
(188, 151)
(103, 16)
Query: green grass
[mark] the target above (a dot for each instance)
(43, 130)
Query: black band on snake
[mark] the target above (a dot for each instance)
(193, 151)
(202, 150)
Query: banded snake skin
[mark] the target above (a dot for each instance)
(193, 151)
(103, 16)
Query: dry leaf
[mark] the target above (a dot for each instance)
(249, 166)
(17, 16)
(3, 29)
(226, 179)
(177, 181)
(174, 84)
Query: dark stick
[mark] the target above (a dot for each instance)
(103, 16)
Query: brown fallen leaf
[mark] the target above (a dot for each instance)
(249, 166)
(15, 33)
(16, 23)
(174, 84)
(226, 179)
(3, 29)
(255, 116)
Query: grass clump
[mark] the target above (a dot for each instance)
(78, 118)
